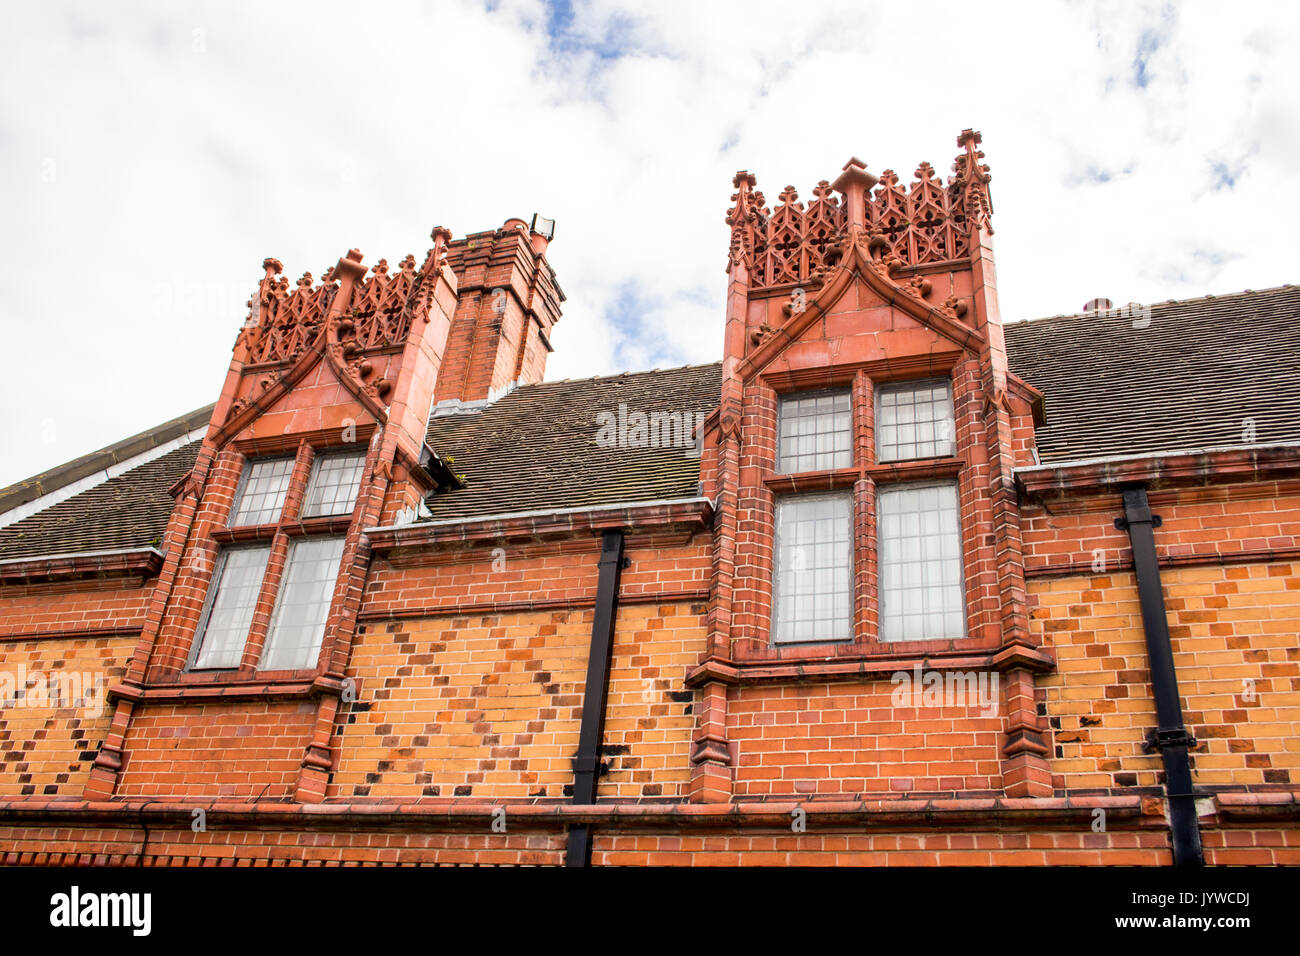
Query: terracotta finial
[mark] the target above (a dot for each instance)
(349, 270)
(854, 182)
(744, 178)
(440, 232)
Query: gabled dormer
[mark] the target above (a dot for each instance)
(318, 434)
(864, 449)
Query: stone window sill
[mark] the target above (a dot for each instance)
(862, 661)
(232, 685)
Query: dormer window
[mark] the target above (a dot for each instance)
(813, 590)
(304, 603)
(287, 558)
(231, 602)
(921, 593)
(908, 586)
(814, 587)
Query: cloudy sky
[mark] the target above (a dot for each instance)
(151, 155)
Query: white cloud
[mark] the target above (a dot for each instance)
(150, 162)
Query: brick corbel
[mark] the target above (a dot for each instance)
(1025, 768)
(712, 773)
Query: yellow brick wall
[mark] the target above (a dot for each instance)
(649, 717)
(1234, 633)
(46, 749)
(490, 705)
(483, 706)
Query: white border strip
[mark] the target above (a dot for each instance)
(79, 554)
(30, 508)
(1148, 456)
(513, 515)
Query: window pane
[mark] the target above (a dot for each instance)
(304, 603)
(230, 608)
(921, 587)
(914, 421)
(812, 592)
(815, 432)
(333, 486)
(263, 494)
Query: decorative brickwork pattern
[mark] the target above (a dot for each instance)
(53, 712)
(484, 706)
(1233, 633)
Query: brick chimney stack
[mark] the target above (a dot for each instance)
(508, 303)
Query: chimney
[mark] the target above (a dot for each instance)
(508, 304)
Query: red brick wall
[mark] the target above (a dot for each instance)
(848, 739)
(1252, 847)
(121, 846)
(76, 606)
(248, 750)
(1199, 524)
(1046, 848)
(488, 705)
(46, 748)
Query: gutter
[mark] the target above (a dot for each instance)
(1170, 736)
(591, 733)
(885, 815)
(50, 567)
(1186, 466)
(692, 512)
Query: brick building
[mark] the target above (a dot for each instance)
(891, 583)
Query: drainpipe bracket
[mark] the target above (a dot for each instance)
(1122, 523)
(1164, 739)
(586, 764)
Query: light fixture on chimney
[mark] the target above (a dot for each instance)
(543, 227)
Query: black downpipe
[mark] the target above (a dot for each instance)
(586, 765)
(1170, 736)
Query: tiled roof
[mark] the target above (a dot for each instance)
(537, 447)
(86, 466)
(1198, 375)
(1190, 379)
(129, 511)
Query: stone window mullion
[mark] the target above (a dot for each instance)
(865, 610)
(266, 600)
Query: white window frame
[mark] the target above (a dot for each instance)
(312, 652)
(887, 596)
(946, 426)
(209, 606)
(782, 632)
(783, 417)
(317, 466)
